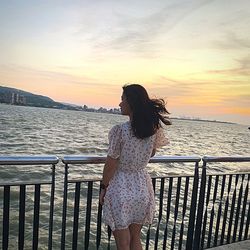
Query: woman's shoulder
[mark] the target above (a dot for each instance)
(116, 128)
(160, 138)
(121, 125)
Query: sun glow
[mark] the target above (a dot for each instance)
(196, 56)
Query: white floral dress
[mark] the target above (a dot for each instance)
(130, 196)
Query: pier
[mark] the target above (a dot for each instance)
(193, 211)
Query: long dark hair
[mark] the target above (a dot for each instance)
(147, 114)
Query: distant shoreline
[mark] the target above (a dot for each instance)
(18, 97)
(110, 111)
(69, 108)
(201, 120)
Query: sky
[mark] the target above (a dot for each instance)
(193, 53)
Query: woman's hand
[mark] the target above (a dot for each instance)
(101, 196)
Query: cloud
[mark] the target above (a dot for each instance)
(203, 91)
(232, 41)
(55, 76)
(141, 35)
(243, 68)
(241, 100)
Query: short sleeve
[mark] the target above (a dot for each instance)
(114, 142)
(160, 139)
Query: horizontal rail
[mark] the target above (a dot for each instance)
(226, 159)
(27, 183)
(28, 160)
(81, 159)
(75, 180)
(159, 159)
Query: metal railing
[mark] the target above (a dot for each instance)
(196, 211)
(234, 185)
(99, 230)
(27, 160)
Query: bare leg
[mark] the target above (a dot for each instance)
(135, 237)
(122, 239)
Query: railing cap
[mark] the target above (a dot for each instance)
(28, 160)
(81, 159)
(160, 159)
(226, 159)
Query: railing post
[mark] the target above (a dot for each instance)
(99, 224)
(21, 217)
(243, 212)
(65, 197)
(199, 218)
(76, 215)
(193, 205)
(6, 217)
(52, 195)
(88, 214)
(36, 216)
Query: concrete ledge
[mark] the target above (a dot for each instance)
(243, 245)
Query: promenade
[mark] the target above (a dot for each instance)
(243, 245)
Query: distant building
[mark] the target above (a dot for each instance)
(22, 99)
(17, 99)
(14, 98)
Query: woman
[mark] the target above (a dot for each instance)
(127, 193)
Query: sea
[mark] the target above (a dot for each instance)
(42, 131)
(26, 131)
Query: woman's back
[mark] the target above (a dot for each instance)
(133, 153)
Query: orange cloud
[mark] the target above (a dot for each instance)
(236, 110)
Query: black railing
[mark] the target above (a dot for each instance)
(7, 187)
(158, 233)
(211, 229)
(196, 211)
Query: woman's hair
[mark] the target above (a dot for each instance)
(146, 113)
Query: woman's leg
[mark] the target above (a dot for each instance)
(135, 237)
(122, 239)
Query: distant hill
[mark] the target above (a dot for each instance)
(20, 97)
(24, 98)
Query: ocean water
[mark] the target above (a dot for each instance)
(41, 131)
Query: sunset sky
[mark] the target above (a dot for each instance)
(193, 53)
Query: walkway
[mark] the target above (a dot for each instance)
(243, 245)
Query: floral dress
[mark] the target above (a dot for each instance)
(130, 196)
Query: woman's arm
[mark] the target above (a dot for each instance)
(153, 152)
(109, 170)
(108, 173)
